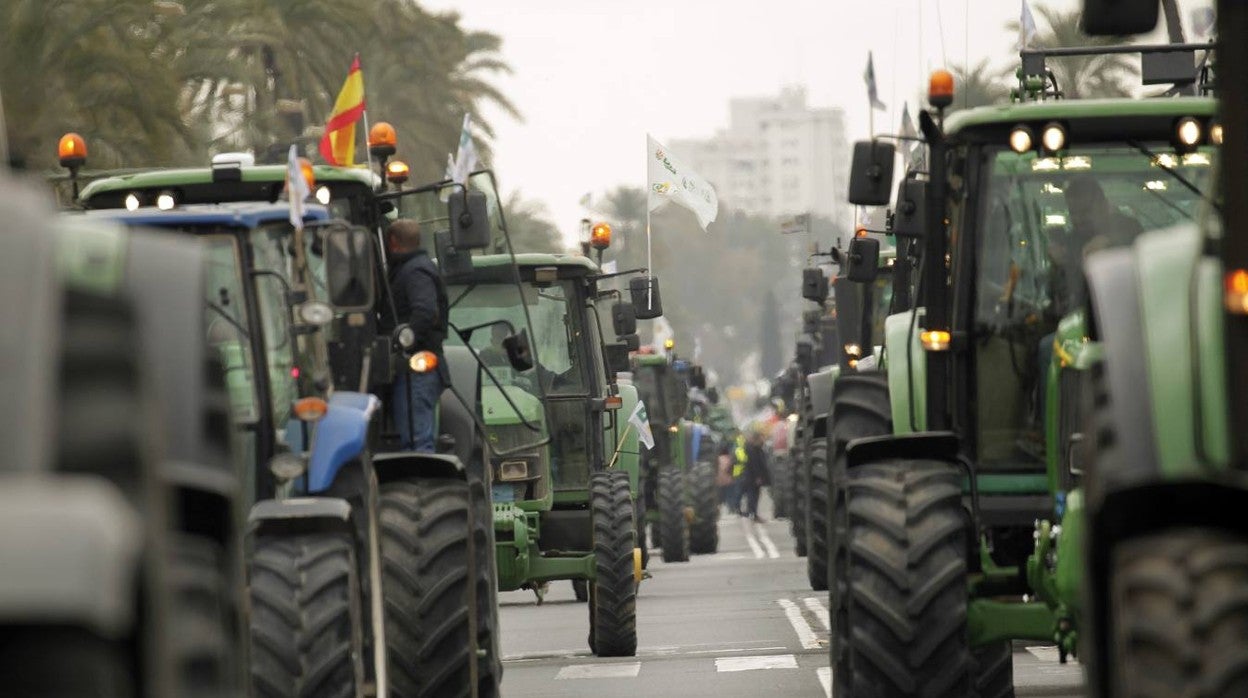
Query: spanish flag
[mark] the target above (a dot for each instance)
(338, 143)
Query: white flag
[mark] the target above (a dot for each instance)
(297, 190)
(611, 267)
(671, 180)
(641, 421)
(466, 154)
(1026, 26)
(873, 95)
(911, 150)
(450, 167)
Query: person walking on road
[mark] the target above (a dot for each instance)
(755, 474)
(420, 300)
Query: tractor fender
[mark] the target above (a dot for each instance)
(819, 385)
(1129, 512)
(454, 419)
(341, 436)
(299, 515)
(405, 464)
(1113, 286)
(930, 445)
(630, 447)
(907, 371)
(71, 549)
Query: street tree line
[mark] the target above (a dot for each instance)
(165, 83)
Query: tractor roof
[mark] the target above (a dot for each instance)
(1115, 110)
(174, 177)
(242, 215)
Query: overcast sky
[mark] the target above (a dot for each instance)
(592, 77)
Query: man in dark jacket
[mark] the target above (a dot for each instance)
(756, 472)
(420, 301)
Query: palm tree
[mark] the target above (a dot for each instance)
(89, 67)
(978, 86)
(529, 226)
(1106, 75)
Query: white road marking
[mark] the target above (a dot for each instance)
(627, 670)
(767, 543)
(825, 677)
(749, 538)
(821, 613)
(768, 661)
(805, 634)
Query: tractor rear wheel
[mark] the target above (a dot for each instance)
(907, 580)
(489, 664)
(704, 531)
(613, 594)
(305, 616)
(673, 524)
(860, 408)
(817, 516)
(1179, 614)
(427, 575)
(203, 642)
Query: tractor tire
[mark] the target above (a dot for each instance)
(306, 637)
(817, 516)
(427, 577)
(704, 531)
(673, 524)
(58, 662)
(204, 633)
(801, 492)
(860, 408)
(489, 664)
(639, 516)
(613, 594)
(994, 670)
(781, 486)
(580, 589)
(1179, 614)
(907, 581)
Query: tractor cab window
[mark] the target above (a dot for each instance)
(1038, 217)
(228, 323)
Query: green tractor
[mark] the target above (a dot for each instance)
(679, 496)
(563, 504)
(848, 336)
(1164, 444)
(959, 528)
(122, 553)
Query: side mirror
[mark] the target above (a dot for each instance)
(624, 319)
(1118, 17)
(697, 377)
(616, 356)
(909, 218)
(871, 173)
(470, 220)
(864, 260)
(644, 292)
(349, 268)
(519, 355)
(814, 285)
(632, 341)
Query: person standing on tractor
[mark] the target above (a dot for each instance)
(754, 474)
(420, 300)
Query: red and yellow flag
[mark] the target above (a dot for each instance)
(338, 143)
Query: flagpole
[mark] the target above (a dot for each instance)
(620, 446)
(368, 154)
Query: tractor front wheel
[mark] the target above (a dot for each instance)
(673, 524)
(613, 594)
(781, 486)
(427, 575)
(907, 580)
(704, 531)
(1179, 614)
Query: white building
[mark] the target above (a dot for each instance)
(778, 156)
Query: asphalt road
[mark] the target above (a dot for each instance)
(742, 622)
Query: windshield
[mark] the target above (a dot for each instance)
(556, 334)
(1038, 218)
(663, 391)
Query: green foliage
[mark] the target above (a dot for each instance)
(529, 226)
(714, 283)
(1083, 77)
(979, 86)
(157, 83)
